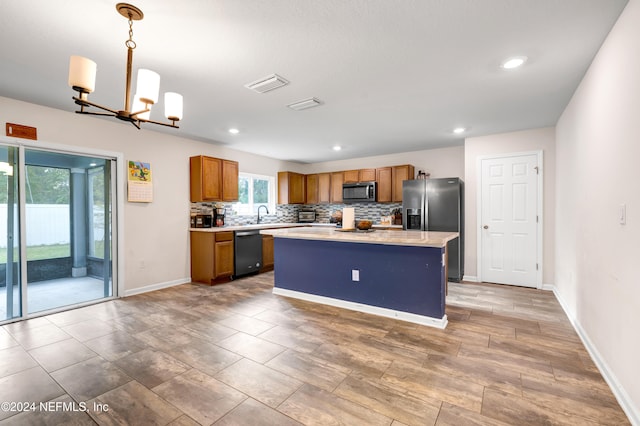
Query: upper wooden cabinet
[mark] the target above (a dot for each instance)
(351, 176)
(319, 188)
(398, 174)
(362, 175)
(213, 179)
(291, 188)
(324, 188)
(312, 189)
(337, 179)
(385, 183)
(230, 172)
(366, 175)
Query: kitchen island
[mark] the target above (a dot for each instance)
(397, 274)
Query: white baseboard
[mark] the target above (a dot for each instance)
(158, 286)
(632, 412)
(368, 309)
(470, 278)
(550, 287)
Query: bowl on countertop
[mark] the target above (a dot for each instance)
(364, 225)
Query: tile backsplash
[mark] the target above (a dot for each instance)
(288, 213)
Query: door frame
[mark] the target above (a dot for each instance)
(117, 233)
(539, 210)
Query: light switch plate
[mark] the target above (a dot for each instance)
(355, 275)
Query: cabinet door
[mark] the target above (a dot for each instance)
(291, 188)
(211, 176)
(267, 252)
(337, 179)
(312, 189)
(399, 174)
(223, 259)
(351, 176)
(206, 174)
(366, 175)
(202, 257)
(296, 188)
(229, 180)
(383, 177)
(324, 188)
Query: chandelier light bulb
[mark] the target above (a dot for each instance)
(148, 87)
(173, 106)
(82, 74)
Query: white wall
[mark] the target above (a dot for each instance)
(440, 162)
(156, 234)
(523, 141)
(598, 148)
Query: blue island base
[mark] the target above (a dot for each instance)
(401, 282)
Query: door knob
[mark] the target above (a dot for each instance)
(486, 227)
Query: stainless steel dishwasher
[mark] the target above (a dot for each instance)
(248, 252)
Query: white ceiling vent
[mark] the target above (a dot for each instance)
(304, 104)
(267, 83)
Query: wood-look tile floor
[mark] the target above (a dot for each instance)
(235, 354)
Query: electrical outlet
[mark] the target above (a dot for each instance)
(355, 275)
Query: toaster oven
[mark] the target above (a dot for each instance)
(306, 216)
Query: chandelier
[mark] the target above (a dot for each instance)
(82, 78)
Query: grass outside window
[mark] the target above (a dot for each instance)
(51, 251)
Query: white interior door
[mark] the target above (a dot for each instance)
(509, 219)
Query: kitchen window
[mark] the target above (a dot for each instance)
(255, 191)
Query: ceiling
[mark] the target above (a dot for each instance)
(392, 75)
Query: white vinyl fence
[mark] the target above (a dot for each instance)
(48, 224)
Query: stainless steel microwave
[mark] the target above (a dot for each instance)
(359, 192)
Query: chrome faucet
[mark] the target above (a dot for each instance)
(265, 207)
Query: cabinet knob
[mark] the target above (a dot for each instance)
(486, 227)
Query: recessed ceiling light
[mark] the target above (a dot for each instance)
(459, 130)
(234, 131)
(267, 83)
(305, 104)
(514, 62)
(337, 148)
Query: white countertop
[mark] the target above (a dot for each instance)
(280, 225)
(377, 236)
(249, 227)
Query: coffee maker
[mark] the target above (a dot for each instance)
(218, 216)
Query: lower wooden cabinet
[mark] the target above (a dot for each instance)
(267, 252)
(223, 255)
(211, 256)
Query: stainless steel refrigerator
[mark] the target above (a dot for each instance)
(437, 205)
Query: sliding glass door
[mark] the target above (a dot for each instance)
(65, 203)
(10, 289)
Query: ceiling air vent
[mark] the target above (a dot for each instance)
(304, 104)
(267, 83)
